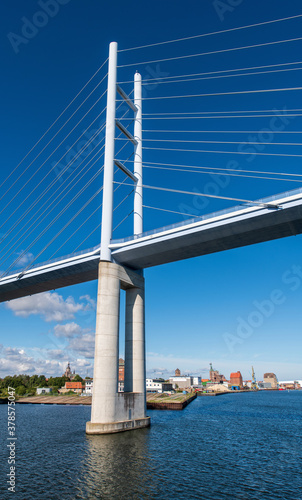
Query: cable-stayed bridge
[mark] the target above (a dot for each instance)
(268, 219)
(51, 206)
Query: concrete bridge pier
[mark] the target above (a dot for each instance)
(114, 411)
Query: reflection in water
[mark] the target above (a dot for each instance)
(117, 466)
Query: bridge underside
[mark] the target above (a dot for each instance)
(53, 277)
(218, 232)
(211, 238)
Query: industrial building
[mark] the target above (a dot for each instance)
(181, 382)
(270, 378)
(290, 384)
(236, 380)
(157, 385)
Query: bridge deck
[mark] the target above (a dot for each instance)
(225, 230)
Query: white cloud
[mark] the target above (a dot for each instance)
(49, 362)
(69, 330)
(91, 303)
(51, 306)
(25, 259)
(83, 346)
(57, 354)
(15, 361)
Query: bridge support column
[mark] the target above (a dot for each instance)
(135, 372)
(114, 411)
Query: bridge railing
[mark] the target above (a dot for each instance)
(219, 213)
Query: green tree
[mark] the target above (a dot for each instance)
(21, 390)
(42, 381)
(57, 381)
(34, 381)
(77, 378)
(4, 392)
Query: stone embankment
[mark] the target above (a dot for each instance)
(154, 401)
(176, 401)
(56, 400)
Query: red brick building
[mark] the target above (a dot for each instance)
(121, 370)
(236, 379)
(215, 376)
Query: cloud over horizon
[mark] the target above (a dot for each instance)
(49, 362)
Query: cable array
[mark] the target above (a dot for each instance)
(49, 207)
(210, 53)
(56, 213)
(218, 74)
(205, 195)
(47, 200)
(194, 37)
(56, 120)
(175, 153)
(210, 172)
(59, 197)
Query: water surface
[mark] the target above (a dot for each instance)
(235, 446)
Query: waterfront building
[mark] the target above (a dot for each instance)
(72, 386)
(264, 385)
(88, 387)
(290, 384)
(236, 380)
(180, 382)
(157, 385)
(43, 390)
(196, 381)
(215, 376)
(270, 378)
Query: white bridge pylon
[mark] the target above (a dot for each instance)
(114, 411)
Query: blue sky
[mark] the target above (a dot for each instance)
(194, 308)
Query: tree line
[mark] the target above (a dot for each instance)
(26, 384)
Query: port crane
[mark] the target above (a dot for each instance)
(254, 382)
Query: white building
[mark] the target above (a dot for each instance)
(44, 390)
(158, 386)
(290, 382)
(153, 386)
(88, 387)
(196, 381)
(179, 382)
